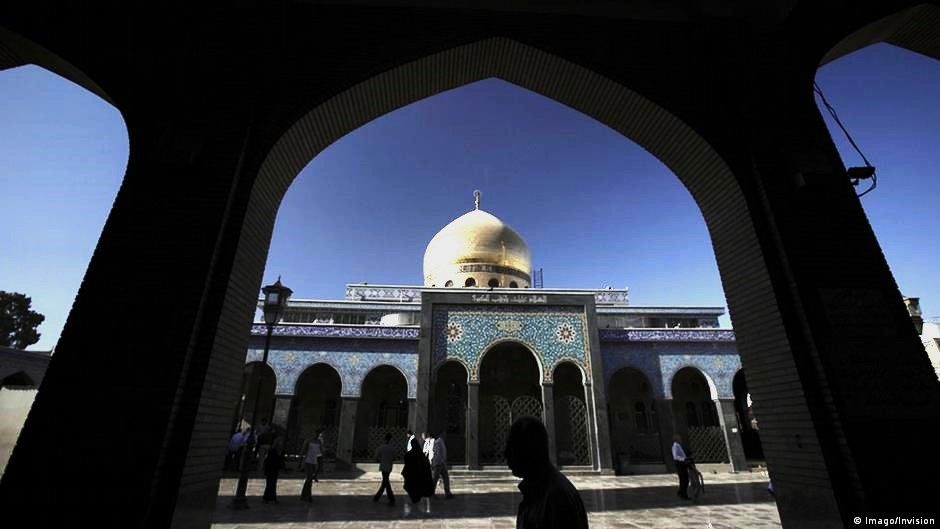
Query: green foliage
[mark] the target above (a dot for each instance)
(18, 323)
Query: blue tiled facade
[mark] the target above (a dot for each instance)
(434, 326)
(352, 358)
(659, 361)
(553, 334)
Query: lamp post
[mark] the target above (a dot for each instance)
(275, 301)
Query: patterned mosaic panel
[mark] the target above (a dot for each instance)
(659, 362)
(352, 365)
(552, 333)
(720, 369)
(338, 331)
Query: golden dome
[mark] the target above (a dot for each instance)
(477, 246)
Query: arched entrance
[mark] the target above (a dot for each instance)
(696, 416)
(258, 382)
(448, 409)
(634, 428)
(748, 423)
(315, 409)
(216, 262)
(383, 408)
(571, 416)
(509, 389)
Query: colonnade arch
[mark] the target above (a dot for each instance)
(634, 426)
(696, 417)
(509, 388)
(258, 384)
(448, 409)
(382, 409)
(315, 408)
(572, 439)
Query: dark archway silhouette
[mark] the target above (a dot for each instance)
(735, 134)
(382, 409)
(634, 426)
(448, 409)
(572, 439)
(315, 409)
(509, 389)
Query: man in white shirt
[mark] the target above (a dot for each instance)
(439, 465)
(410, 435)
(428, 446)
(682, 466)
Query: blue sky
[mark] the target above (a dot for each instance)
(596, 209)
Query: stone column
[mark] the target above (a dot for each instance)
(596, 458)
(281, 413)
(473, 425)
(347, 431)
(666, 424)
(732, 434)
(548, 418)
(412, 414)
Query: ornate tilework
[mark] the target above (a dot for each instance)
(719, 368)
(362, 292)
(383, 292)
(659, 362)
(554, 334)
(340, 331)
(619, 297)
(352, 364)
(666, 335)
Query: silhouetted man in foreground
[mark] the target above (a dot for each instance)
(549, 500)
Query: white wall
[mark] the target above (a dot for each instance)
(14, 406)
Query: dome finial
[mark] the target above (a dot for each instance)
(476, 199)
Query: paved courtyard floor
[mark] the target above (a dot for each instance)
(729, 501)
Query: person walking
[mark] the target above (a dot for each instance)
(410, 435)
(682, 466)
(316, 472)
(417, 475)
(265, 437)
(549, 500)
(234, 445)
(385, 455)
(311, 463)
(273, 462)
(439, 466)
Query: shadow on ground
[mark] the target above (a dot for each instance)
(357, 506)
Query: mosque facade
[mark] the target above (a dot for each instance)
(476, 346)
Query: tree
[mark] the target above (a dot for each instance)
(18, 323)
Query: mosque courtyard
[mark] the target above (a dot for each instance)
(484, 502)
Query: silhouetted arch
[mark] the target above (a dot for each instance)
(448, 408)
(19, 380)
(382, 408)
(254, 377)
(315, 408)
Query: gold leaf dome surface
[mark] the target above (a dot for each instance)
(479, 244)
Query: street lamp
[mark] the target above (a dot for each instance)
(275, 301)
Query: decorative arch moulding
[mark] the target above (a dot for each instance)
(352, 367)
(552, 333)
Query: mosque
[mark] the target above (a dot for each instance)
(479, 345)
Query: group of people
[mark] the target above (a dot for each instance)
(549, 500)
(266, 445)
(425, 465)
